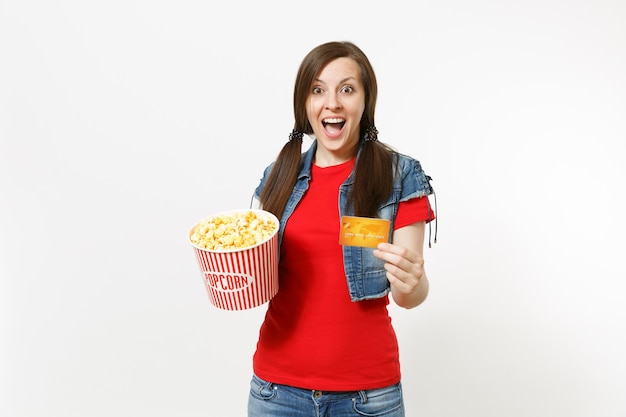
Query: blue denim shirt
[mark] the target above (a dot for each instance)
(365, 274)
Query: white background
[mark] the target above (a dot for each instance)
(122, 123)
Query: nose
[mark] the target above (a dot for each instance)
(332, 101)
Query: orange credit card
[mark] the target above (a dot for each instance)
(363, 231)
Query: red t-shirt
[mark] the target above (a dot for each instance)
(314, 336)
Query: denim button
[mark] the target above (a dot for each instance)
(317, 394)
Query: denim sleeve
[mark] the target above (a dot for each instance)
(415, 182)
(257, 191)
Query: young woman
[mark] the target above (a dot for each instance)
(327, 345)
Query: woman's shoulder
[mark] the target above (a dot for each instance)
(405, 161)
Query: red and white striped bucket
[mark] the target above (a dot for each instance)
(240, 279)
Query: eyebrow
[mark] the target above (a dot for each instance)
(340, 82)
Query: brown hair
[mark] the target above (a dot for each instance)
(373, 177)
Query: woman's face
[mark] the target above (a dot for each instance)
(334, 108)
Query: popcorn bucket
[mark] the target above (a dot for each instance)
(239, 279)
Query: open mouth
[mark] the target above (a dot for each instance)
(333, 125)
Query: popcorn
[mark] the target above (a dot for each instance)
(236, 230)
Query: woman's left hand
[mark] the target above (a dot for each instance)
(405, 268)
(404, 263)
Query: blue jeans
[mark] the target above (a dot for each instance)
(274, 400)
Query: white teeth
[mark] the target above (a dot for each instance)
(334, 120)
